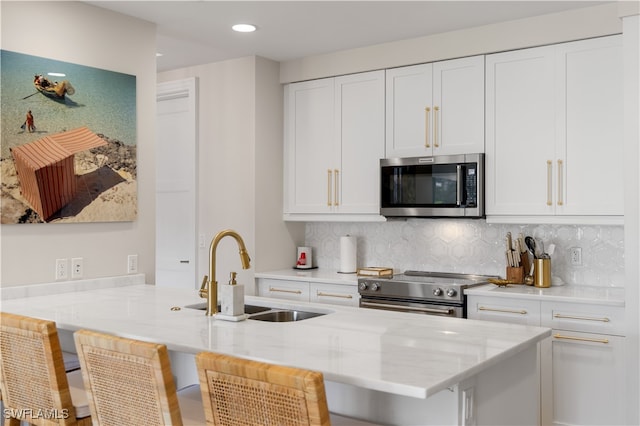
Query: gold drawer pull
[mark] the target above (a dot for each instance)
(343, 296)
(549, 179)
(329, 187)
(581, 339)
(435, 126)
(281, 290)
(560, 316)
(508, 311)
(427, 111)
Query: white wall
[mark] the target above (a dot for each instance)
(240, 167)
(546, 29)
(82, 34)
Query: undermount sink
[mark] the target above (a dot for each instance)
(285, 316)
(265, 313)
(248, 309)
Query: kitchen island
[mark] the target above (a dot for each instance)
(387, 367)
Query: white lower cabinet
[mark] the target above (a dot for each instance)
(333, 294)
(582, 379)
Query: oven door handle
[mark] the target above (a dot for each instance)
(407, 308)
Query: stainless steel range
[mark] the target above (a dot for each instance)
(428, 293)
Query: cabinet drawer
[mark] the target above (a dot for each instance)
(588, 318)
(514, 311)
(334, 294)
(284, 289)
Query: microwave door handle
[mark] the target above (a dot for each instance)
(459, 185)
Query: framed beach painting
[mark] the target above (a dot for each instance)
(68, 142)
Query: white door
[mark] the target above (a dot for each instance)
(520, 132)
(310, 147)
(359, 126)
(176, 172)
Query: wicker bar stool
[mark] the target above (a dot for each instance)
(35, 387)
(129, 382)
(238, 392)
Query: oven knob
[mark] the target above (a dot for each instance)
(375, 287)
(437, 292)
(451, 292)
(362, 286)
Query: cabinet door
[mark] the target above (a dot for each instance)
(512, 311)
(458, 106)
(520, 131)
(588, 379)
(359, 123)
(409, 111)
(284, 289)
(334, 294)
(310, 148)
(590, 139)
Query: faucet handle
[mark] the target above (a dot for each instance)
(232, 278)
(203, 287)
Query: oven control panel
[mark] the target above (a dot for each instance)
(409, 290)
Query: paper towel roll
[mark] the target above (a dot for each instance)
(348, 254)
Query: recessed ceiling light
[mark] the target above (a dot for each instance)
(244, 28)
(159, 54)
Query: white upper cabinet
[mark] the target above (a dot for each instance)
(554, 130)
(334, 140)
(435, 109)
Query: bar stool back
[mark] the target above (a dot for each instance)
(129, 382)
(33, 382)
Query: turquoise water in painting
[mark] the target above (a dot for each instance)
(104, 101)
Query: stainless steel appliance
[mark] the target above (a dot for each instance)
(428, 293)
(439, 186)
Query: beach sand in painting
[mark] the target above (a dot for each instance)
(107, 188)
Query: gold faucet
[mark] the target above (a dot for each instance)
(209, 287)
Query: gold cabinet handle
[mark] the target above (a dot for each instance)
(507, 311)
(549, 178)
(560, 194)
(435, 127)
(329, 187)
(560, 316)
(336, 195)
(427, 113)
(342, 296)
(282, 290)
(581, 339)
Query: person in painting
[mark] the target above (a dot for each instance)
(30, 125)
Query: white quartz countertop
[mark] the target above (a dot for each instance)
(400, 353)
(610, 296)
(311, 275)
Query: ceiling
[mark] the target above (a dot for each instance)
(199, 32)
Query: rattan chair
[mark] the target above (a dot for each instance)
(129, 382)
(239, 392)
(35, 387)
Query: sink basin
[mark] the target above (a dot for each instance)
(284, 316)
(248, 309)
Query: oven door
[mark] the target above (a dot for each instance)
(424, 308)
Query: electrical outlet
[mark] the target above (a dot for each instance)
(62, 272)
(575, 254)
(76, 267)
(132, 264)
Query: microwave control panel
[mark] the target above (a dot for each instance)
(471, 185)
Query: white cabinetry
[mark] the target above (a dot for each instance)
(436, 108)
(582, 364)
(317, 292)
(587, 377)
(334, 139)
(554, 130)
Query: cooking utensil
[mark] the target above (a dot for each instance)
(531, 244)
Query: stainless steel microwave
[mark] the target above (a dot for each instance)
(438, 186)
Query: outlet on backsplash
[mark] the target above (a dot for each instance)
(575, 254)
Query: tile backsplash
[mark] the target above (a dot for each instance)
(471, 246)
